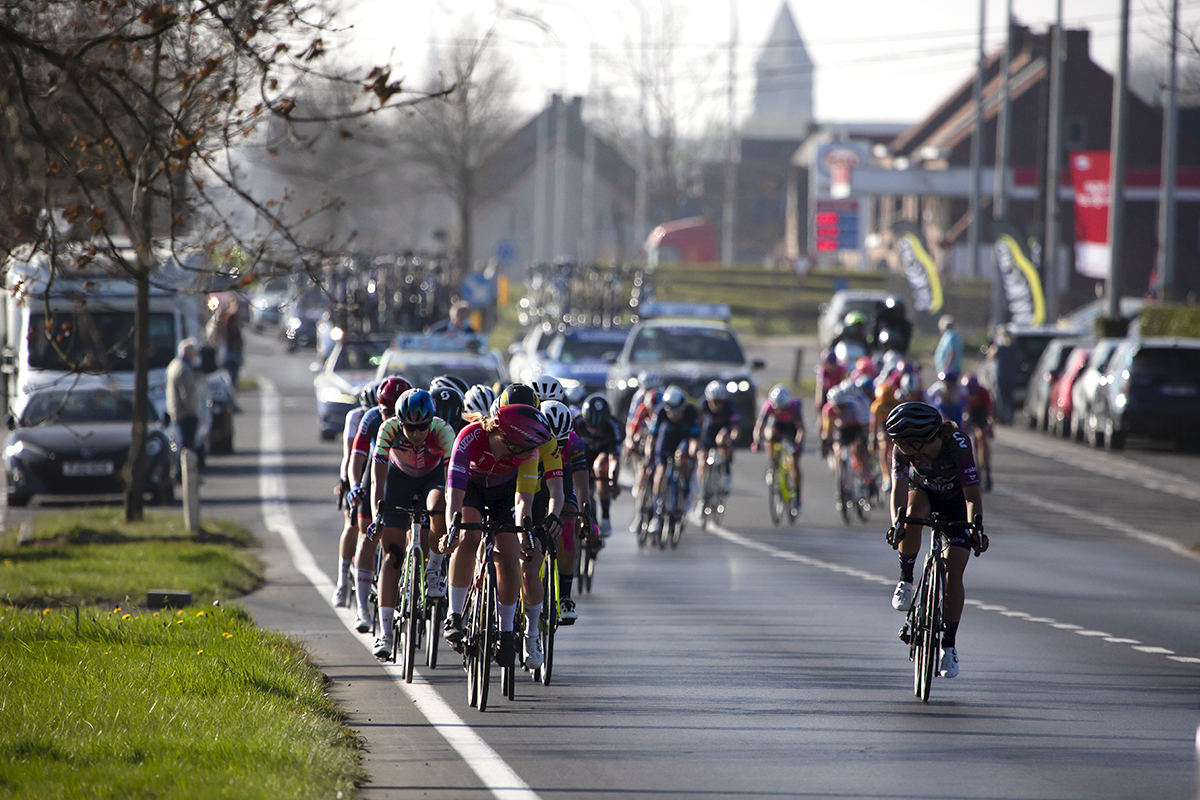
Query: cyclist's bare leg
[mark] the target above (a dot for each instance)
(531, 580)
(956, 564)
(796, 463)
(918, 506)
(462, 561)
(508, 568)
(393, 541)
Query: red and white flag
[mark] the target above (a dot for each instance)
(1090, 175)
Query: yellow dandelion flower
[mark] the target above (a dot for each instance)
(155, 614)
(199, 613)
(178, 622)
(227, 635)
(116, 610)
(126, 616)
(199, 652)
(45, 611)
(179, 613)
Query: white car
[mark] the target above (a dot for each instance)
(419, 358)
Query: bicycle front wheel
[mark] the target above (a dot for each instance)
(548, 621)
(775, 501)
(929, 599)
(413, 613)
(433, 632)
(489, 636)
(845, 500)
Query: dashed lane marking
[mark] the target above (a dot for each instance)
(1004, 611)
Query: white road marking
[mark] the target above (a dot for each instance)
(1102, 521)
(800, 558)
(495, 773)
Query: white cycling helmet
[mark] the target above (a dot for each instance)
(674, 397)
(547, 388)
(780, 395)
(559, 417)
(479, 400)
(716, 391)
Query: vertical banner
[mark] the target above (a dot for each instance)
(1018, 275)
(1090, 175)
(919, 267)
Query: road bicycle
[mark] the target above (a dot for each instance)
(674, 491)
(781, 483)
(645, 504)
(551, 602)
(922, 630)
(854, 493)
(481, 621)
(587, 546)
(716, 491)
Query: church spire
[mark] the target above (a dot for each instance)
(783, 92)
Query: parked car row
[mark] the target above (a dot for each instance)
(1103, 391)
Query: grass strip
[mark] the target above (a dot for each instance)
(195, 703)
(95, 557)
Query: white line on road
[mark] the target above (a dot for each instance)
(495, 773)
(1004, 611)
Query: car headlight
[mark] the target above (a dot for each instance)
(25, 450)
(744, 386)
(154, 446)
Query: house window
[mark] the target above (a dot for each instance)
(1076, 133)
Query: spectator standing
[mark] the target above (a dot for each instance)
(181, 392)
(948, 356)
(234, 357)
(1006, 362)
(459, 322)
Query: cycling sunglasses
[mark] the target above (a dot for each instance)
(424, 426)
(517, 451)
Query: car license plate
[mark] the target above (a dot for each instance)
(78, 469)
(1180, 391)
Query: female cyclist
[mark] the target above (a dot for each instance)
(933, 471)
(410, 453)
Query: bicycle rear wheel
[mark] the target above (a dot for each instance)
(774, 496)
(548, 621)
(433, 631)
(489, 633)
(845, 499)
(471, 646)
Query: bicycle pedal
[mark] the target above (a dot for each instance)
(904, 634)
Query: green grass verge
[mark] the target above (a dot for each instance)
(94, 556)
(197, 703)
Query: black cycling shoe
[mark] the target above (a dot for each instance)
(506, 654)
(453, 631)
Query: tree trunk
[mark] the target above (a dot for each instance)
(135, 464)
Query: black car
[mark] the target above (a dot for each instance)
(1152, 389)
(75, 442)
(689, 353)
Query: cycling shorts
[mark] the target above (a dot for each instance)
(499, 500)
(783, 430)
(849, 434)
(402, 489)
(977, 416)
(364, 504)
(951, 507)
(667, 444)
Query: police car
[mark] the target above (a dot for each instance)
(579, 358)
(340, 377)
(420, 358)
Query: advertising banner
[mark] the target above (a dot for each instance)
(919, 267)
(1018, 275)
(1090, 175)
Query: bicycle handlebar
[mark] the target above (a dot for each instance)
(979, 540)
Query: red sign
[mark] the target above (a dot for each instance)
(1090, 175)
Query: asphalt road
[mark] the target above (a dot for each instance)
(761, 662)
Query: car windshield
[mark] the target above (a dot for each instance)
(1100, 357)
(1168, 363)
(96, 341)
(78, 406)
(1032, 346)
(686, 344)
(584, 349)
(360, 357)
(421, 374)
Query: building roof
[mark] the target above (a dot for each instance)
(517, 157)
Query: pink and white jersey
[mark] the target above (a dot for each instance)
(392, 445)
(789, 414)
(472, 461)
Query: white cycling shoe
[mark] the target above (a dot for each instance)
(567, 613)
(902, 598)
(341, 595)
(948, 668)
(534, 657)
(362, 622)
(435, 583)
(656, 525)
(384, 644)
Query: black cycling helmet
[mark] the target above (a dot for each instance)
(517, 394)
(595, 411)
(369, 397)
(448, 405)
(913, 422)
(451, 381)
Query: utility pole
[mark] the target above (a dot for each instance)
(976, 155)
(729, 209)
(560, 176)
(1003, 131)
(1054, 154)
(1170, 159)
(539, 189)
(1116, 208)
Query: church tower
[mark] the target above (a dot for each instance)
(783, 92)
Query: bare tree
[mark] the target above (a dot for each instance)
(454, 136)
(127, 116)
